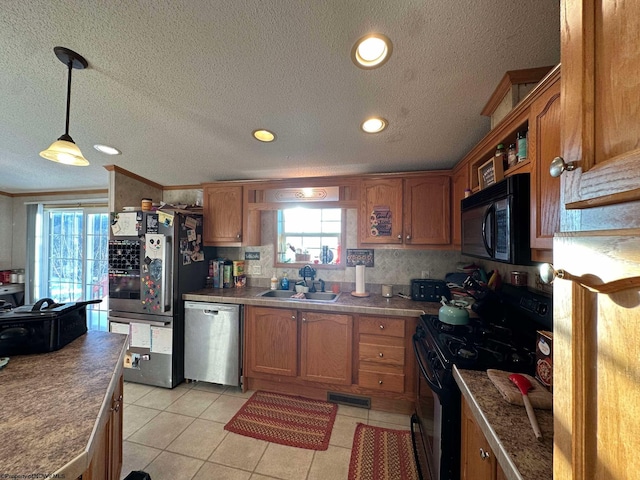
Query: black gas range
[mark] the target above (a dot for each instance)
(504, 340)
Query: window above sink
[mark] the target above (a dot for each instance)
(309, 235)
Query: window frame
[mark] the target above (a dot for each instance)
(343, 239)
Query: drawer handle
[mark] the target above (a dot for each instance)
(380, 355)
(381, 327)
(379, 382)
(484, 454)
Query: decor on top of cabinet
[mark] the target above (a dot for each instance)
(514, 86)
(490, 172)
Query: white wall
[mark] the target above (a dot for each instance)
(19, 252)
(6, 232)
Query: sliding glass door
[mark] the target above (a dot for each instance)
(71, 259)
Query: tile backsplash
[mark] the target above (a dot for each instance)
(396, 267)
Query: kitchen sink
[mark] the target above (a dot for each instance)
(327, 297)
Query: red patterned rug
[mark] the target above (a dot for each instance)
(382, 454)
(285, 419)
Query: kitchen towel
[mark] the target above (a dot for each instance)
(538, 395)
(360, 288)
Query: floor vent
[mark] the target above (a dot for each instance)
(353, 400)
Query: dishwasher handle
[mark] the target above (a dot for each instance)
(211, 309)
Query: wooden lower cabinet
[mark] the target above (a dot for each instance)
(314, 352)
(106, 462)
(271, 341)
(381, 353)
(325, 347)
(477, 460)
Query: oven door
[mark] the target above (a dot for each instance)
(436, 424)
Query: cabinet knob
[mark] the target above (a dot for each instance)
(400, 237)
(408, 237)
(484, 454)
(558, 166)
(293, 317)
(239, 236)
(379, 382)
(381, 327)
(380, 355)
(304, 319)
(548, 274)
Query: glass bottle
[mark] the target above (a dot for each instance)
(501, 155)
(522, 145)
(512, 155)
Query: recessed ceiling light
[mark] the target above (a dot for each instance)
(371, 51)
(263, 135)
(107, 149)
(374, 125)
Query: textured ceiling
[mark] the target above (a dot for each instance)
(179, 86)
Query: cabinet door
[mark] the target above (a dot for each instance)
(460, 182)
(380, 215)
(596, 342)
(544, 146)
(325, 347)
(599, 97)
(115, 432)
(477, 461)
(427, 210)
(272, 340)
(223, 215)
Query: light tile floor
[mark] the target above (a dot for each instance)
(179, 433)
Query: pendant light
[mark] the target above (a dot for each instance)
(64, 150)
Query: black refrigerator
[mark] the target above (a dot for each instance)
(154, 258)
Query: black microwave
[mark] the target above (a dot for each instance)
(495, 222)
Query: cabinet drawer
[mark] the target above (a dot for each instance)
(382, 326)
(390, 382)
(383, 354)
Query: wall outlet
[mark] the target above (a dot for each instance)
(256, 270)
(426, 274)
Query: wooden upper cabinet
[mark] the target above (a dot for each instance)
(544, 146)
(222, 214)
(427, 210)
(599, 97)
(412, 210)
(459, 183)
(325, 347)
(380, 215)
(226, 220)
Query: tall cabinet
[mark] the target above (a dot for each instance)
(596, 335)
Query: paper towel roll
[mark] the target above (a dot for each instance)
(360, 279)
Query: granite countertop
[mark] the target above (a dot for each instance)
(375, 304)
(53, 404)
(507, 428)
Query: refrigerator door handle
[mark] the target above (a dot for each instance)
(128, 320)
(166, 274)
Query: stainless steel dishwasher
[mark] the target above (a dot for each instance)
(212, 342)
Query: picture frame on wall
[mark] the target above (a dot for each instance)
(490, 172)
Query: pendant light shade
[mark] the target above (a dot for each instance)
(64, 150)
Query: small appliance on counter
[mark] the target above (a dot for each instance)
(429, 290)
(43, 327)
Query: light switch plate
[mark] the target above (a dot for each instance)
(256, 270)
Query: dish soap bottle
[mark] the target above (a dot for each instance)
(285, 282)
(274, 282)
